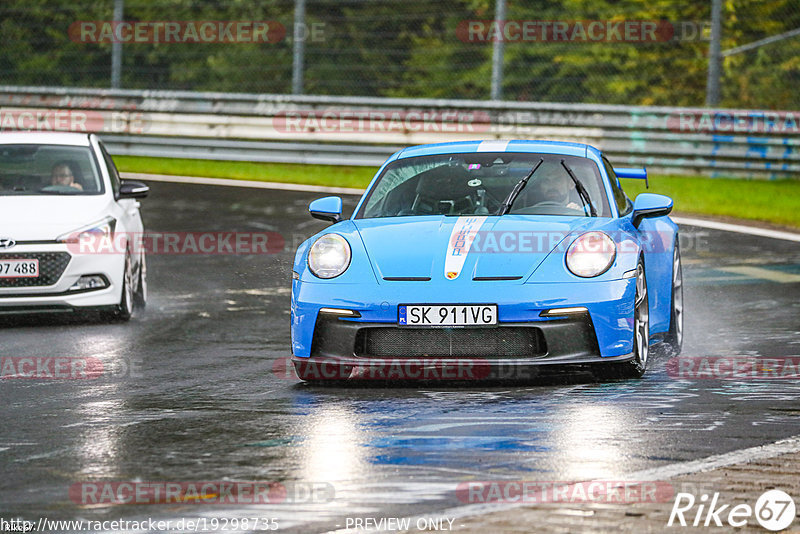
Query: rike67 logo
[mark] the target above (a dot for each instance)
(774, 510)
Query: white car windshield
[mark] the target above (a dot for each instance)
(480, 184)
(30, 169)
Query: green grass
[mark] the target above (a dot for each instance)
(771, 201)
(330, 175)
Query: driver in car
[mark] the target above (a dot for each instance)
(554, 188)
(63, 173)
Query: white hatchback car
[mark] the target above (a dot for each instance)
(57, 190)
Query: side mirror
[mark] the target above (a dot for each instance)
(132, 189)
(327, 209)
(650, 205)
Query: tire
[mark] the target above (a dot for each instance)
(636, 367)
(140, 295)
(124, 310)
(673, 341)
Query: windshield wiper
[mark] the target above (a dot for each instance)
(512, 196)
(581, 190)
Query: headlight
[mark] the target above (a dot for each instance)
(591, 254)
(329, 256)
(100, 230)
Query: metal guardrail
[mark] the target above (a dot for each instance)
(364, 131)
(234, 150)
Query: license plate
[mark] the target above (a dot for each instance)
(19, 268)
(446, 314)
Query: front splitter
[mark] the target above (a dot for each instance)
(337, 369)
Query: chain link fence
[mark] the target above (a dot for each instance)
(573, 51)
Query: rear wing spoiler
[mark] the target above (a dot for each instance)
(640, 174)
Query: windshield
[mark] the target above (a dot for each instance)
(48, 170)
(479, 183)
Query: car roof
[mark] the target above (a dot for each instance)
(48, 138)
(516, 145)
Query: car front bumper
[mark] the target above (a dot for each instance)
(53, 294)
(603, 332)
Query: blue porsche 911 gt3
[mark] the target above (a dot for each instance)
(469, 259)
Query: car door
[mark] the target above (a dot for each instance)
(656, 239)
(130, 207)
(125, 210)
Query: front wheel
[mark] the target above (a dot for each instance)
(140, 296)
(636, 367)
(124, 310)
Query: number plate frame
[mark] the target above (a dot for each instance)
(403, 311)
(8, 272)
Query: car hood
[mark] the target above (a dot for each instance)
(44, 218)
(510, 247)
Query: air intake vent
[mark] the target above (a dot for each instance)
(502, 342)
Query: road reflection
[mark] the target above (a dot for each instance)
(334, 446)
(589, 441)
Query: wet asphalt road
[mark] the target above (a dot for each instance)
(192, 395)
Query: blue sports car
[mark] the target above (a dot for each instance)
(488, 259)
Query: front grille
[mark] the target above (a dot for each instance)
(51, 267)
(500, 342)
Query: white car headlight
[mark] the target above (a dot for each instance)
(591, 254)
(100, 230)
(329, 256)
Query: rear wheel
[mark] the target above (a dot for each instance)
(674, 338)
(636, 367)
